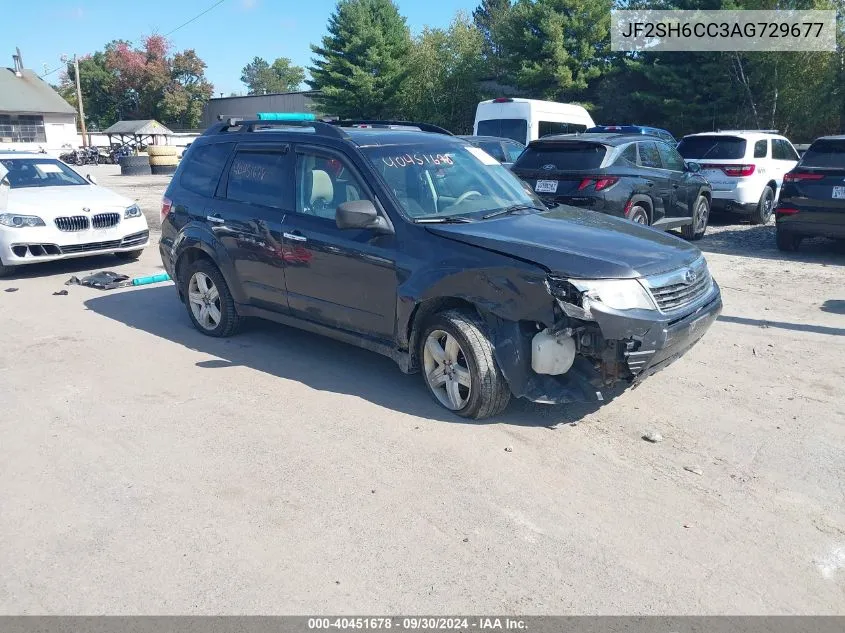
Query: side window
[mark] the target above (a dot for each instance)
(513, 151)
(322, 183)
(668, 138)
(203, 167)
(494, 148)
(671, 159)
(650, 155)
(544, 128)
(761, 149)
(782, 150)
(258, 178)
(629, 155)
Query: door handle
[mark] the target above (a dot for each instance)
(295, 237)
(216, 219)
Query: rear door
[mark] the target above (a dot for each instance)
(556, 169)
(657, 179)
(683, 188)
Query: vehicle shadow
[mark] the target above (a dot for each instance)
(70, 267)
(783, 325)
(316, 361)
(759, 242)
(834, 306)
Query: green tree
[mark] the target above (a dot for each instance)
(488, 18)
(360, 65)
(263, 78)
(97, 83)
(554, 48)
(444, 71)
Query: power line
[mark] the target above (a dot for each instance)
(196, 17)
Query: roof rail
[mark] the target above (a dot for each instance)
(746, 131)
(423, 127)
(257, 125)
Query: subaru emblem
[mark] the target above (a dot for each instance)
(86, 209)
(548, 167)
(689, 276)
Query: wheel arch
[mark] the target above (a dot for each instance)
(422, 312)
(192, 247)
(644, 201)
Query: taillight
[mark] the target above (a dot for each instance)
(585, 183)
(785, 211)
(601, 183)
(166, 205)
(795, 176)
(738, 170)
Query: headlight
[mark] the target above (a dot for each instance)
(618, 294)
(132, 212)
(20, 221)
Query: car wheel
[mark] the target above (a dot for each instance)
(700, 217)
(459, 368)
(5, 271)
(764, 208)
(787, 241)
(210, 304)
(638, 215)
(129, 255)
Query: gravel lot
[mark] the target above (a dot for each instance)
(149, 469)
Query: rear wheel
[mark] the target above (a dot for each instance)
(700, 217)
(763, 211)
(459, 368)
(638, 215)
(210, 304)
(787, 241)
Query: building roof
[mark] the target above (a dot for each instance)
(143, 127)
(29, 93)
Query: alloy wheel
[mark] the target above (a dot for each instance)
(701, 213)
(204, 299)
(446, 370)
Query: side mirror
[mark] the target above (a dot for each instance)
(359, 214)
(693, 167)
(91, 179)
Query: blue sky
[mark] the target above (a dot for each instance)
(226, 38)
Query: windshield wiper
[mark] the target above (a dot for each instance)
(511, 209)
(442, 219)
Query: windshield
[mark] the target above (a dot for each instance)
(40, 172)
(715, 147)
(514, 129)
(825, 153)
(447, 180)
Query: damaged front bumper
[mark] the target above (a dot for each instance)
(615, 349)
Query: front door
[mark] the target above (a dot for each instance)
(342, 278)
(656, 180)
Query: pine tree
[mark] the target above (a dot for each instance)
(359, 67)
(488, 18)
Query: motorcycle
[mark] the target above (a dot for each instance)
(87, 156)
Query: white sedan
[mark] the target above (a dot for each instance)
(49, 212)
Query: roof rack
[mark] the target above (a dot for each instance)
(747, 131)
(229, 123)
(423, 127)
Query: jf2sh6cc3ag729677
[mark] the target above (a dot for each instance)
(403, 239)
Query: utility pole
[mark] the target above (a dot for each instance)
(79, 101)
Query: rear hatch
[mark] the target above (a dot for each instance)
(556, 170)
(819, 179)
(722, 158)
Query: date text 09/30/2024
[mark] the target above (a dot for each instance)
(418, 623)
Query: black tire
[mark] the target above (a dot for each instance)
(230, 320)
(162, 170)
(638, 215)
(787, 241)
(764, 209)
(489, 392)
(129, 256)
(700, 217)
(5, 271)
(135, 166)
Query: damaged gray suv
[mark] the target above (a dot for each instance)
(407, 241)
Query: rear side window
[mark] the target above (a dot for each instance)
(650, 156)
(713, 147)
(203, 168)
(782, 150)
(544, 128)
(628, 157)
(493, 148)
(761, 149)
(258, 178)
(825, 153)
(562, 157)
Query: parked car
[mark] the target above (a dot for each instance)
(662, 134)
(54, 213)
(420, 246)
(631, 176)
(503, 150)
(745, 167)
(812, 203)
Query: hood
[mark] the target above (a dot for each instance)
(577, 243)
(51, 202)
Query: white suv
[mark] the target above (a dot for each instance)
(745, 168)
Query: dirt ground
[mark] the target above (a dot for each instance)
(149, 469)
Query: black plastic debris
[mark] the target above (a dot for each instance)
(103, 280)
(11, 289)
(60, 293)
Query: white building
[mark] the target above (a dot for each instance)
(32, 114)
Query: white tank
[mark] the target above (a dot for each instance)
(552, 354)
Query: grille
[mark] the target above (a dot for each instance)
(73, 223)
(105, 220)
(90, 246)
(136, 238)
(679, 294)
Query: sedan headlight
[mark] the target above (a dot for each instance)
(19, 221)
(618, 294)
(132, 212)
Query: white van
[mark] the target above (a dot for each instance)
(525, 120)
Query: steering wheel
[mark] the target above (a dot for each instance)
(466, 195)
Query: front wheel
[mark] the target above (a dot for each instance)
(459, 368)
(210, 304)
(700, 216)
(5, 271)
